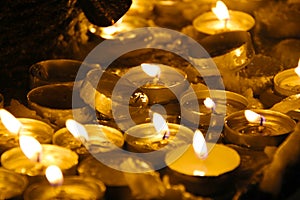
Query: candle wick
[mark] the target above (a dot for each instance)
(225, 23)
(155, 80)
(166, 135)
(261, 125)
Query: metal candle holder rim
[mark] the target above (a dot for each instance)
(281, 76)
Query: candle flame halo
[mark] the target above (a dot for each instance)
(199, 145)
(297, 69)
(160, 126)
(31, 148)
(11, 123)
(77, 129)
(150, 69)
(54, 175)
(221, 11)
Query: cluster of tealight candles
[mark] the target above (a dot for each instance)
(62, 164)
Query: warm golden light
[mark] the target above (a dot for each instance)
(199, 145)
(160, 126)
(77, 129)
(152, 70)
(110, 30)
(253, 116)
(221, 11)
(11, 123)
(198, 173)
(31, 148)
(209, 103)
(297, 69)
(54, 175)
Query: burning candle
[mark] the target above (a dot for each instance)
(11, 128)
(58, 187)
(88, 138)
(161, 83)
(223, 20)
(31, 158)
(287, 82)
(210, 106)
(204, 168)
(12, 184)
(149, 137)
(257, 128)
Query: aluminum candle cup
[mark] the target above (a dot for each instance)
(277, 127)
(144, 137)
(208, 177)
(170, 82)
(12, 185)
(55, 71)
(287, 82)
(31, 127)
(74, 187)
(101, 139)
(54, 102)
(231, 50)
(15, 160)
(208, 23)
(226, 103)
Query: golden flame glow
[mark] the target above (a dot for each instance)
(31, 148)
(252, 116)
(54, 175)
(160, 126)
(221, 11)
(209, 103)
(110, 30)
(11, 123)
(297, 69)
(152, 70)
(238, 52)
(199, 145)
(198, 173)
(77, 129)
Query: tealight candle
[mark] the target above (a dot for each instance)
(56, 71)
(58, 187)
(230, 50)
(202, 173)
(224, 103)
(30, 127)
(100, 139)
(287, 82)
(54, 102)
(265, 128)
(12, 185)
(161, 83)
(219, 21)
(15, 160)
(147, 137)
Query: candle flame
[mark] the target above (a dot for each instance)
(54, 175)
(11, 123)
(199, 145)
(253, 116)
(31, 148)
(198, 173)
(152, 70)
(160, 126)
(221, 11)
(297, 69)
(209, 103)
(77, 130)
